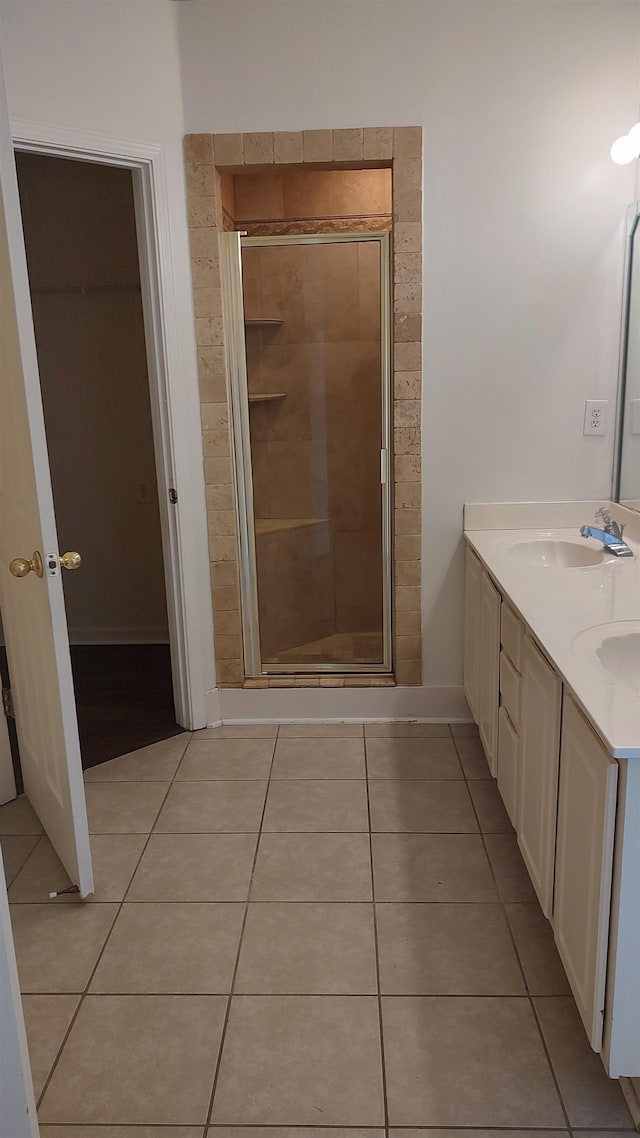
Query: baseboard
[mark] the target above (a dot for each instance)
(423, 704)
(631, 1091)
(111, 635)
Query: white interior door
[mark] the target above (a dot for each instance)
(17, 1103)
(33, 612)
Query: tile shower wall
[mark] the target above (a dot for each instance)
(208, 156)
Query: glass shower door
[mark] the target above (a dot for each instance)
(316, 345)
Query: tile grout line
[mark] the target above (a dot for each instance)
(223, 1035)
(120, 904)
(385, 1100)
(515, 948)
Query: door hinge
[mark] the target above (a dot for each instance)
(173, 495)
(7, 703)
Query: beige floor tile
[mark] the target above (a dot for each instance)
(536, 948)
(489, 807)
(464, 730)
(605, 1133)
(227, 759)
(435, 1133)
(46, 1019)
(431, 867)
(320, 731)
(412, 758)
(194, 867)
(466, 1061)
(473, 759)
(321, 806)
(123, 807)
(121, 1131)
(19, 817)
(15, 851)
(413, 806)
(591, 1099)
(512, 879)
(57, 946)
(212, 808)
(171, 948)
(287, 1132)
(446, 950)
(156, 763)
(308, 948)
(406, 731)
(137, 1060)
(319, 758)
(312, 867)
(310, 1058)
(114, 858)
(238, 731)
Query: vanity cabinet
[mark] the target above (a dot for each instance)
(489, 663)
(538, 778)
(472, 583)
(584, 864)
(559, 785)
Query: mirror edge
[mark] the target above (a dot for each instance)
(632, 222)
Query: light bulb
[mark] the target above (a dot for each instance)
(623, 150)
(634, 137)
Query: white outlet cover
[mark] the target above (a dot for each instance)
(634, 407)
(595, 417)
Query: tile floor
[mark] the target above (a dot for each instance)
(326, 926)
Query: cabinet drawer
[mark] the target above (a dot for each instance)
(510, 689)
(508, 761)
(512, 635)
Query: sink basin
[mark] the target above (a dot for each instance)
(555, 554)
(614, 649)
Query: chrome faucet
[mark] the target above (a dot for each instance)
(609, 533)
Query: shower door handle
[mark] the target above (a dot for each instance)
(384, 466)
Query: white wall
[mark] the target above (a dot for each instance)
(523, 208)
(523, 219)
(111, 67)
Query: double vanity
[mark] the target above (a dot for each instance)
(552, 677)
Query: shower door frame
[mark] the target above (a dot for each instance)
(231, 246)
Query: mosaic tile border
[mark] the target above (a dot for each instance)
(207, 156)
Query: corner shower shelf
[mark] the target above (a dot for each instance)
(267, 397)
(260, 322)
(279, 525)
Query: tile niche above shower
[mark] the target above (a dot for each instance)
(314, 264)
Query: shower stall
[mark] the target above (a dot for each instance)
(308, 332)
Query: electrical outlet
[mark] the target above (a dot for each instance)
(635, 416)
(595, 417)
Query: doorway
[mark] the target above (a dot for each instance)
(82, 247)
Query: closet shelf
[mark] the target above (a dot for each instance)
(279, 525)
(267, 397)
(259, 322)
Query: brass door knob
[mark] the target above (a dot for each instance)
(70, 560)
(20, 567)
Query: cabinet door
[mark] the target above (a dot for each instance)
(584, 859)
(538, 783)
(508, 764)
(472, 579)
(489, 665)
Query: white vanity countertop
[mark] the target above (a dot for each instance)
(558, 604)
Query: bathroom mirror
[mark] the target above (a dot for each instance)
(627, 465)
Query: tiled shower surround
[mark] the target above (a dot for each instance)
(208, 158)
